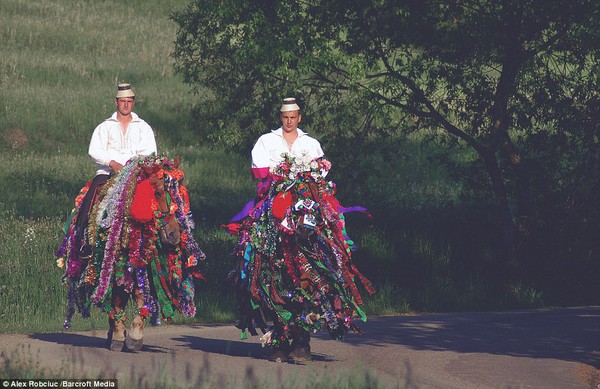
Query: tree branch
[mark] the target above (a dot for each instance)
(431, 111)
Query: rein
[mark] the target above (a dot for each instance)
(165, 218)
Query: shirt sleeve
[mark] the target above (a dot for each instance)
(260, 154)
(98, 149)
(260, 159)
(318, 150)
(147, 144)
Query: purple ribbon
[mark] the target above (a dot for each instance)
(356, 208)
(244, 212)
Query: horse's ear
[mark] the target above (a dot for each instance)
(176, 162)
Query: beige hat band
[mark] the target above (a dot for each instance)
(124, 90)
(289, 104)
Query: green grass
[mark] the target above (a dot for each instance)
(29, 294)
(60, 63)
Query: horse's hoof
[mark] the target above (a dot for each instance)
(135, 336)
(117, 345)
(134, 345)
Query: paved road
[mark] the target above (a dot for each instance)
(522, 349)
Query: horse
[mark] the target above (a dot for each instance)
(141, 245)
(295, 263)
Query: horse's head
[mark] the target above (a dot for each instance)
(159, 178)
(170, 233)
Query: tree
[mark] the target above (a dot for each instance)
(489, 74)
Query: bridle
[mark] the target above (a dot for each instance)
(164, 218)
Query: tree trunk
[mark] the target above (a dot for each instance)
(502, 202)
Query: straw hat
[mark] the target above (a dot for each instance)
(289, 104)
(124, 90)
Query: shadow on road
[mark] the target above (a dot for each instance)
(571, 334)
(568, 334)
(225, 347)
(235, 348)
(78, 340)
(68, 339)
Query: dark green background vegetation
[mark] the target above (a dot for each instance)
(469, 129)
(501, 97)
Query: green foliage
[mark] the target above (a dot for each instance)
(509, 81)
(438, 61)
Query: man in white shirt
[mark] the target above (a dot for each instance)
(288, 138)
(267, 153)
(122, 136)
(294, 255)
(114, 141)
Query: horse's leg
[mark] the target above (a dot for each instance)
(117, 318)
(135, 335)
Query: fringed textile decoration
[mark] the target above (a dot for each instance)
(126, 247)
(295, 256)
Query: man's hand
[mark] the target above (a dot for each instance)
(115, 166)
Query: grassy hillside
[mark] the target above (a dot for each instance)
(60, 62)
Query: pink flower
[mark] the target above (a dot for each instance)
(325, 164)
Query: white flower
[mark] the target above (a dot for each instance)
(266, 338)
(29, 234)
(306, 159)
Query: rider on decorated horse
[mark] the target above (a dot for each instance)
(114, 141)
(295, 265)
(130, 234)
